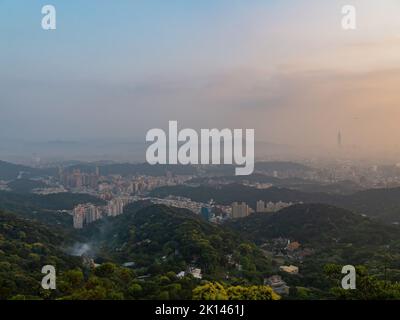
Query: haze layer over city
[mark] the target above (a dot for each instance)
(93, 87)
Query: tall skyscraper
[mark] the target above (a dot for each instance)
(339, 139)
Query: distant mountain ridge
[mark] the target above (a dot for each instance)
(10, 171)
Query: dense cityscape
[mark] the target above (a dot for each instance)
(118, 191)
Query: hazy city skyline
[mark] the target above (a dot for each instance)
(112, 71)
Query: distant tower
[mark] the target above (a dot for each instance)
(339, 139)
(61, 174)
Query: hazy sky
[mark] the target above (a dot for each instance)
(115, 69)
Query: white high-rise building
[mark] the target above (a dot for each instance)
(85, 213)
(260, 206)
(240, 210)
(79, 216)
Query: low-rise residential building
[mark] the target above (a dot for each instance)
(289, 269)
